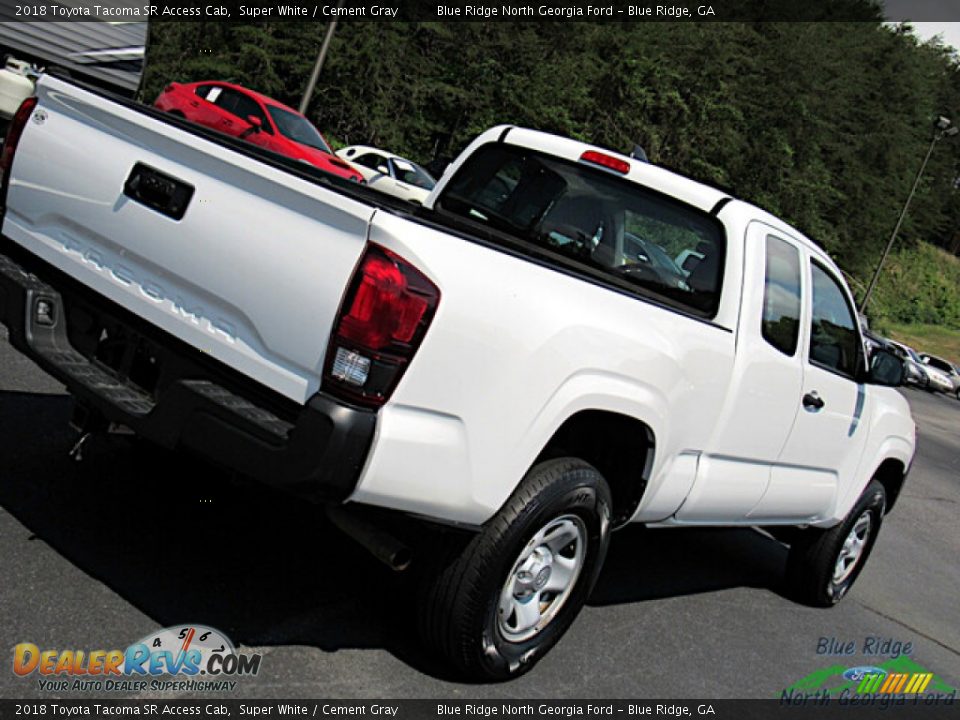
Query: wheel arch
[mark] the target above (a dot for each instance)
(891, 473)
(619, 446)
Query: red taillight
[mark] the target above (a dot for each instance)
(10, 145)
(607, 161)
(386, 311)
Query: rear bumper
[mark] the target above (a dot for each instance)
(136, 375)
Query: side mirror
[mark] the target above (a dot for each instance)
(885, 369)
(382, 169)
(253, 129)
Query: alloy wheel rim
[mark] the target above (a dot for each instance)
(542, 578)
(852, 550)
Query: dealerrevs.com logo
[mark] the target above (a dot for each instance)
(184, 657)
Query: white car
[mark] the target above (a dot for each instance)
(389, 173)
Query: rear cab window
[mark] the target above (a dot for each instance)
(594, 223)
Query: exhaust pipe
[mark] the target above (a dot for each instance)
(379, 543)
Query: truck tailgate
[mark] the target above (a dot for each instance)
(252, 273)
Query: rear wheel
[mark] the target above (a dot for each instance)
(495, 608)
(823, 564)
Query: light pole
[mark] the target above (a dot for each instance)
(941, 128)
(324, 46)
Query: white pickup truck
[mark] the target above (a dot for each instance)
(560, 341)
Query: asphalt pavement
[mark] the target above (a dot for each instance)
(99, 554)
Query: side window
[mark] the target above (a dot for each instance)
(239, 105)
(204, 90)
(780, 325)
(833, 329)
(247, 106)
(225, 99)
(370, 160)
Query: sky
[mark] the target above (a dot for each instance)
(949, 30)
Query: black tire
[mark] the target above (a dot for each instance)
(459, 605)
(813, 558)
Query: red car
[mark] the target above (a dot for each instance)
(253, 117)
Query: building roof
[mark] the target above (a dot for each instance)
(106, 54)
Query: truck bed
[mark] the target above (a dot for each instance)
(258, 238)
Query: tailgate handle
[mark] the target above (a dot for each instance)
(158, 191)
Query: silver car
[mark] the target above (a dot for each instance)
(941, 373)
(915, 372)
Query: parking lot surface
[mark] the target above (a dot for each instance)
(97, 555)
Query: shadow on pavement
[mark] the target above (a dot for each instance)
(184, 542)
(646, 564)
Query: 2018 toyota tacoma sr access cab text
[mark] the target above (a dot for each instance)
(560, 341)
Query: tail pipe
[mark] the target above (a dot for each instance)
(382, 545)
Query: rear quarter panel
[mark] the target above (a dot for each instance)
(514, 350)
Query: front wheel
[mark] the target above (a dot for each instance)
(823, 564)
(495, 608)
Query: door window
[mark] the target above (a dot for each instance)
(834, 341)
(371, 160)
(407, 172)
(241, 106)
(780, 325)
(205, 90)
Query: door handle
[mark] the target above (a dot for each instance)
(812, 401)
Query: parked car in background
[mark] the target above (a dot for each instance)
(256, 118)
(915, 373)
(874, 342)
(942, 375)
(389, 173)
